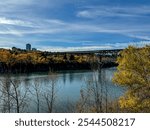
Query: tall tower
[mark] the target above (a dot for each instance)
(28, 47)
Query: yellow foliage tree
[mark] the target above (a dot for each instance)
(134, 73)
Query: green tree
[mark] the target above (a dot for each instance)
(134, 73)
(71, 57)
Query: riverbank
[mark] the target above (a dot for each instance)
(37, 61)
(30, 68)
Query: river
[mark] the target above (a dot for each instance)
(35, 91)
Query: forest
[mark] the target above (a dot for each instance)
(21, 61)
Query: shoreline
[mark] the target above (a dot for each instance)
(36, 61)
(60, 67)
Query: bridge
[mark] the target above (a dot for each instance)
(113, 52)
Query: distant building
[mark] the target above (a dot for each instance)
(28, 47)
(34, 49)
(16, 49)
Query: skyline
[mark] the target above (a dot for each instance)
(63, 25)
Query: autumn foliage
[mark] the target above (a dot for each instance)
(36, 61)
(22, 61)
(134, 73)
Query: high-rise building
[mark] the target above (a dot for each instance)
(28, 47)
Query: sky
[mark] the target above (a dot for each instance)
(68, 25)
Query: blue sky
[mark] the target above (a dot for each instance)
(64, 25)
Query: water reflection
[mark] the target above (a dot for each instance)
(53, 92)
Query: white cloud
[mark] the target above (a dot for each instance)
(86, 14)
(144, 37)
(39, 25)
(20, 28)
(17, 2)
(107, 46)
(85, 46)
(67, 49)
(4, 20)
(11, 32)
(56, 26)
(110, 11)
(36, 25)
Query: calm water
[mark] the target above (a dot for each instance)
(67, 87)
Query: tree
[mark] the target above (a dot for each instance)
(134, 73)
(94, 98)
(5, 94)
(12, 96)
(65, 56)
(50, 94)
(71, 57)
(37, 92)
